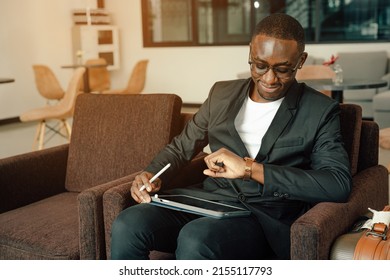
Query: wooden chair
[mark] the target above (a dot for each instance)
(98, 76)
(136, 82)
(47, 83)
(60, 111)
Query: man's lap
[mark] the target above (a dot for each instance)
(161, 228)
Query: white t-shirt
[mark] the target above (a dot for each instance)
(252, 122)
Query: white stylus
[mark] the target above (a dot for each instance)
(155, 176)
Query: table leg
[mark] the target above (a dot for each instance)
(337, 95)
(86, 81)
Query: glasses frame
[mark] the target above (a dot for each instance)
(276, 73)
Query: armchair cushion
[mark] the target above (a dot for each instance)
(41, 230)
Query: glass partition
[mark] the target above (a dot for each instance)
(230, 22)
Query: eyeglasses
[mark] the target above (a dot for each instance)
(281, 72)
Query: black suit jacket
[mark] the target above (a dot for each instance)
(302, 151)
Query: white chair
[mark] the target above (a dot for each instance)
(363, 66)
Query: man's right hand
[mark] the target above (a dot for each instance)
(144, 195)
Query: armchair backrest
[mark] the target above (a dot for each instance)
(361, 138)
(369, 145)
(116, 135)
(351, 127)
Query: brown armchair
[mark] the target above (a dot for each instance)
(313, 233)
(51, 200)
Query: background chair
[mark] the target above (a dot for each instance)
(357, 66)
(47, 83)
(313, 72)
(60, 111)
(136, 81)
(51, 200)
(99, 78)
(313, 233)
(381, 107)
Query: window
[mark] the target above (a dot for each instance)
(230, 22)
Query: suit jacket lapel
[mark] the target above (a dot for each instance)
(283, 116)
(233, 113)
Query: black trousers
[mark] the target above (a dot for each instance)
(142, 228)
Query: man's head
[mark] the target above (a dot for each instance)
(281, 26)
(276, 52)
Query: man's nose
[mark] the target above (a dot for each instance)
(269, 77)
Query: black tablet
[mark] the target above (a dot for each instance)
(199, 206)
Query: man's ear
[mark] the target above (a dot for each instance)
(303, 58)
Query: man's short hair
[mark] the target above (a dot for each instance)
(281, 26)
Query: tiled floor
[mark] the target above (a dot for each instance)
(18, 138)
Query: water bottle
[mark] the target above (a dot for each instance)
(338, 77)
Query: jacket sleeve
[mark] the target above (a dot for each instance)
(185, 146)
(327, 178)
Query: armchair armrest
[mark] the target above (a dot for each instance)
(30, 177)
(313, 234)
(115, 200)
(91, 227)
(118, 198)
(387, 78)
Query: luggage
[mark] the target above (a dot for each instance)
(374, 244)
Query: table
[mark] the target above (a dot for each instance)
(6, 80)
(87, 89)
(337, 90)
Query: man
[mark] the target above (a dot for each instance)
(276, 149)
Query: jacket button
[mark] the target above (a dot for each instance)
(241, 197)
